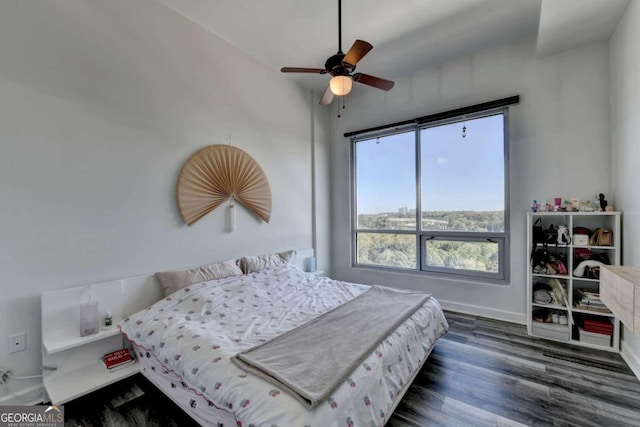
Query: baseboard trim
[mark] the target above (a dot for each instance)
(507, 316)
(632, 359)
(18, 397)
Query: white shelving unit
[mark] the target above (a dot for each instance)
(71, 363)
(570, 333)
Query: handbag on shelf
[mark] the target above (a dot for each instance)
(551, 235)
(601, 237)
(581, 236)
(563, 237)
(593, 272)
(538, 233)
(580, 240)
(543, 236)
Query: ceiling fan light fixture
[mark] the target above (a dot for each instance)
(340, 85)
(341, 67)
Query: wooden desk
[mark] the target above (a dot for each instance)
(620, 291)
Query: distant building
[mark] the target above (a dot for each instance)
(406, 211)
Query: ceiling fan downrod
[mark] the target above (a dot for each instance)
(339, 26)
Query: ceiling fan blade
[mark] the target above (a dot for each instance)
(303, 70)
(327, 97)
(374, 81)
(357, 51)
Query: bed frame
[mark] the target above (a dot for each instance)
(70, 367)
(223, 418)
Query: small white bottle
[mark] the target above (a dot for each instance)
(108, 319)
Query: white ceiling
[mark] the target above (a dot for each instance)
(407, 35)
(567, 24)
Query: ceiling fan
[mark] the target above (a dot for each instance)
(341, 68)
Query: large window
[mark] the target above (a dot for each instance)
(432, 198)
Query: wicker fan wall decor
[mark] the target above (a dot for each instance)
(217, 173)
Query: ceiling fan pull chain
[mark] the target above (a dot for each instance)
(344, 107)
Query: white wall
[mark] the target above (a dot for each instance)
(100, 105)
(625, 115)
(559, 146)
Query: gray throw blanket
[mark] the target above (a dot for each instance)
(312, 360)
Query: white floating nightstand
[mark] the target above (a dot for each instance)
(71, 362)
(64, 340)
(71, 366)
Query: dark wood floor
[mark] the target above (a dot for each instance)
(491, 373)
(482, 373)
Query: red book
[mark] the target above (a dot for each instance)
(116, 358)
(597, 322)
(599, 327)
(598, 331)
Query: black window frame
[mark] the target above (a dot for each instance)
(422, 236)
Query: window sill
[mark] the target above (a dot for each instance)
(458, 278)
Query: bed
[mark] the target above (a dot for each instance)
(185, 344)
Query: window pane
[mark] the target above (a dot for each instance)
(462, 178)
(386, 182)
(464, 255)
(389, 250)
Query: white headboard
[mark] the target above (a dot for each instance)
(123, 297)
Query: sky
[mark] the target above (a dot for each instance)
(457, 173)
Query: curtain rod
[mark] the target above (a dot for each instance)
(443, 115)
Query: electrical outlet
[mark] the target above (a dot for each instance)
(4, 376)
(17, 342)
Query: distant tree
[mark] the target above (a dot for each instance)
(399, 250)
(394, 257)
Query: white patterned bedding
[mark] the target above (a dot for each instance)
(195, 331)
